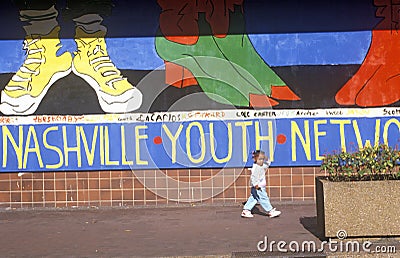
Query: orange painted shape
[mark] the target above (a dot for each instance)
(188, 78)
(185, 40)
(283, 93)
(382, 89)
(221, 36)
(178, 76)
(281, 139)
(261, 101)
(375, 83)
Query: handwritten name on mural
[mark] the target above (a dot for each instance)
(261, 114)
(294, 142)
(306, 113)
(57, 119)
(165, 117)
(391, 112)
(5, 120)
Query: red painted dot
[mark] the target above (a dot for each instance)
(281, 138)
(157, 140)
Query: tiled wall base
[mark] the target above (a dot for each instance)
(127, 188)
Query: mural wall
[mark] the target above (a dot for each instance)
(93, 85)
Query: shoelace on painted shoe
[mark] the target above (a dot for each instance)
(24, 69)
(104, 61)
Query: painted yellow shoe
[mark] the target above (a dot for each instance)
(92, 63)
(41, 69)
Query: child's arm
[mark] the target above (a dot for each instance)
(267, 163)
(254, 178)
(265, 166)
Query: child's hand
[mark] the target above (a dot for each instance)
(257, 187)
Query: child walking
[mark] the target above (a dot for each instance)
(258, 184)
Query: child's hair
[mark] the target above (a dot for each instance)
(257, 153)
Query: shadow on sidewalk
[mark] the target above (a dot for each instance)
(310, 223)
(257, 211)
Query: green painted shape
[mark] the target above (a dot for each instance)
(241, 51)
(227, 69)
(218, 77)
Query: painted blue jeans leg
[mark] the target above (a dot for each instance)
(260, 196)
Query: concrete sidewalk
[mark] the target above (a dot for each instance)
(171, 231)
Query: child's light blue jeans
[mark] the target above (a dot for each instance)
(260, 196)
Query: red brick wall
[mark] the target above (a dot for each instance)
(122, 188)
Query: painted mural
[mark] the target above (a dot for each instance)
(113, 84)
(43, 67)
(212, 39)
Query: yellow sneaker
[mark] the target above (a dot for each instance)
(92, 63)
(41, 69)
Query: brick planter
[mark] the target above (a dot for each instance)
(361, 208)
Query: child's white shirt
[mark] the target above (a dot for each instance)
(258, 174)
